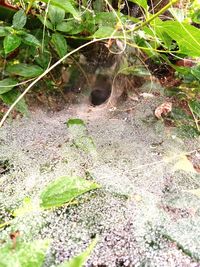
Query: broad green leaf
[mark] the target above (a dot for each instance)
(187, 131)
(195, 71)
(103, 32)
(24, 70)
(142, 3)
(105, 19)
(195, 107)
(195, 192)
(46, 22)
(30, 39)
(66, 5)
(186, 36)
(99, 5)
(64, 190)
(71, 27)
(59, 43)
(11, 96)
(7, 85)
(43, 59)
(80, 260)
(19, 19)
(24, 254)
(56, 14)
(196, 16)
(11, 42)
(3, 31)
(80, 137)
(88, 21)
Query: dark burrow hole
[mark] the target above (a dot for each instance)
(99, 96)
(101, 91)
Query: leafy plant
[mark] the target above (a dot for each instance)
(22, 254)
(79, 260)
(64, 190)
(79, 135)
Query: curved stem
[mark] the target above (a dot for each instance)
(153, 16)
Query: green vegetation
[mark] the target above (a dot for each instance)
(65, 27)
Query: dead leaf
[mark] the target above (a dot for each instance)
(163, 109)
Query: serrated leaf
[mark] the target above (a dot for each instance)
(19, 19)
(24, 254)
(10, 97)
(59, 43)
(64, 190)
(195, 107)
(3, 31)
(56, 14)
(80, 260)
(30, 39)
(11, 42)
(7, 84)
(66, 5)
(24, 70)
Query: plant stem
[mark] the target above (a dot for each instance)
(153, 17)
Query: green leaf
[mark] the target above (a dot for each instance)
(24, 70)
(71, 27)
(105, 19)
(19, 19)
(30, 39)
(66, 5)
(186, 36)
(80, 137)
(80, 260)
(64, 190)
(11, 42)
(59, 43)
(195, 107)
(142, 3)
(46, 22)
(10, 97)
(24, 254)
(43, 59)
(6, 85)
(103, 32)
(3, 31)
(56, 14)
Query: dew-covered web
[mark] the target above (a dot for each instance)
(144, 214)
